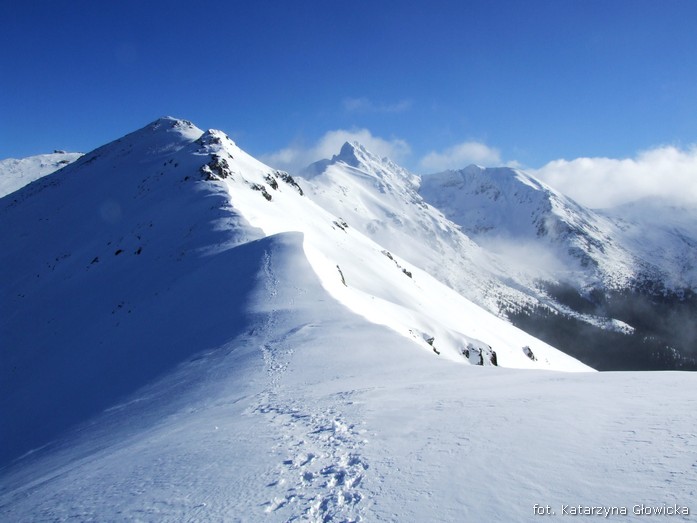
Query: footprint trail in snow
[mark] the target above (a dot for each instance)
(320, 468)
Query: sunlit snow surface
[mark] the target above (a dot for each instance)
(185, 350)
(16, 173)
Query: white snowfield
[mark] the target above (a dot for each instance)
(187, 337)
(16, 173)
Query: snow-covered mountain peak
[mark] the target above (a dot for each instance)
(504, 208)
(164, 132)
(493, 180)
(169, 124)
(381, 200)
(356, 155)
(364, 163)
(214, 140)
(485, 199)
(167, 128)
(161, 137)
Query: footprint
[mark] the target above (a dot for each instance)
(308, 459)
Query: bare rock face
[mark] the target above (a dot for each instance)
(217, 169)
(480, 355)
(528, 352)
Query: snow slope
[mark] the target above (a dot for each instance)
(178, 345)
(508, 210)
(513, 213)
(99, 264)
(381, 200)
(327, 427)
(665, 235)
(364, 276)
(15, 174)
(616, 287)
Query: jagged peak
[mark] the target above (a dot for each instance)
(354, 154)
(213, 138)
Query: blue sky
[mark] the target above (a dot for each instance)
(520, 82)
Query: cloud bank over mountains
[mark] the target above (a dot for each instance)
(667, 171)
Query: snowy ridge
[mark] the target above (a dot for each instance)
(327, 428)
(362, 275)
(242, 414)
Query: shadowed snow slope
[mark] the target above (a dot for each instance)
(103, 264)
(187, 337)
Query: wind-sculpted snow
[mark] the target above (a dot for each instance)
(341, 420)
(345, 430)
(230, 432)
(355, 270)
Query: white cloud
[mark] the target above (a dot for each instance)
(297, 156)
(367, 105)
(461, 155)
(667, 172)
